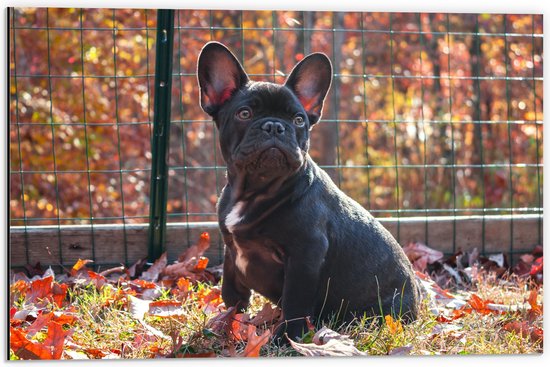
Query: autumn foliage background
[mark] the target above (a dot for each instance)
(427, 112)
(437, 114)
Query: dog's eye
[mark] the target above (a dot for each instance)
(299, 120)
(244, 113)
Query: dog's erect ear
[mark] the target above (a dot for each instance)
(310, 80)
(220, 75)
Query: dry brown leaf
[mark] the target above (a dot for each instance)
(165, 308)
(267, 315)
(197, 250)
(152, 274)
(421, 255)
(41, 321)
(222, 321)
(333, 345)
(178, 270)
(401, 351)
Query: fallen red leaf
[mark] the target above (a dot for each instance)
(535, 308)
(183, 284)
(46, 289)
(222, 322)
(96, 353)
(59, 291)
(97, 279)
(455, 314)
(39, 289)
(421, 255)
(13, 311)
(142, 284)
(212, 296)
(537, 267)
(41, 321)
(55, 339)
(50, 348)
(524, 329)
(20, 287)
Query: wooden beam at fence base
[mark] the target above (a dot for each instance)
(111, 248)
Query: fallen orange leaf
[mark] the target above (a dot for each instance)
(79, 265)
(255, 342)
(202, 263)
(479, 305)
(535, 308)
(394, 326)
(239, 324)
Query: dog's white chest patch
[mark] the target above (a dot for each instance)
(241, 261)
(234, 216)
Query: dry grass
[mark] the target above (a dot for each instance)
(106, 324)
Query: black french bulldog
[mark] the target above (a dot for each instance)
(290, 233)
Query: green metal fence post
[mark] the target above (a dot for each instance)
(161, 132)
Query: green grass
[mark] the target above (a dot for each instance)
(105, 323)
(105, 326)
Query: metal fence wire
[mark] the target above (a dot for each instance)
(429, 114)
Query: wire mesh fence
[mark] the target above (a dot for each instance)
(428, 115)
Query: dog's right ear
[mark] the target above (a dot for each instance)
(220, 75)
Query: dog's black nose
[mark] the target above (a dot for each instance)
(273, 127)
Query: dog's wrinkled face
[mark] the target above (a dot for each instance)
(264, 127)
(264, 131)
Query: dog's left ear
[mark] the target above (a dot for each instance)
(310, 80)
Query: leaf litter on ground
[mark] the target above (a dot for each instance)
(176, 310)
